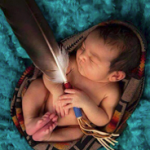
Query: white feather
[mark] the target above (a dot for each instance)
(57, 67)
(63, 60)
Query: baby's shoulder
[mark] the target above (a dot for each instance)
(113, 86)
(113, 89)
(111, 97)
(113, 92)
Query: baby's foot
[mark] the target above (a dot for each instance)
(44, 133)
(38, 123)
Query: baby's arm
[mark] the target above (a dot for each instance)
(101, 115)
(56, 90)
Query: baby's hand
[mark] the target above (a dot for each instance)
(60, 110)
(74, 98)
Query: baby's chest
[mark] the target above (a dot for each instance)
(90, 89)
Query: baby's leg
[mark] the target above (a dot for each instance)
(33, 102)
(61, 134)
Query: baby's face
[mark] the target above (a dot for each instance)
(94, 58)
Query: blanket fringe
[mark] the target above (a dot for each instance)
(102, 137)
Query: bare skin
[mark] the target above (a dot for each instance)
(103, 93)
(40, 132)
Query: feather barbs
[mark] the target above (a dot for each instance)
(58, 73)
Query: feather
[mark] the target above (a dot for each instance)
(36, 37)
(58, 75)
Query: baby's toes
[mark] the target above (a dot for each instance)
(52, 115)
(52, 126)
(46, 115)
(39, 121)
(45, 118)
(55, 119)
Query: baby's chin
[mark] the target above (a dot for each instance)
(80, 71)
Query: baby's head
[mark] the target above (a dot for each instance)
(109, 53)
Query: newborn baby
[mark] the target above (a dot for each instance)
(104, 58)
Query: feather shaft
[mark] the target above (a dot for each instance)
(50, 48)
(36, 37)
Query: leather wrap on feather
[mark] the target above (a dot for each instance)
(29, 29)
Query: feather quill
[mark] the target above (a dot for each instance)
(58, 69)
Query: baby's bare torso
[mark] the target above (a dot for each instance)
(92, 89)
(96, 91)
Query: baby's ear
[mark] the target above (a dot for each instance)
(117, 76)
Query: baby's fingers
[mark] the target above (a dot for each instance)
(66, 111)
(58, 110)
(62, 113)
(65, 102)
(68, 106)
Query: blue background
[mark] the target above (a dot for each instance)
(67, 17)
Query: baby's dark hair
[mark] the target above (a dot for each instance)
(127, 42)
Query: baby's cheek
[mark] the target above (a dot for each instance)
(100, 74)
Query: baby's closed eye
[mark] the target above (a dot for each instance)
(92, 61)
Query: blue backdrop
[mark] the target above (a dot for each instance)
(67, 17)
